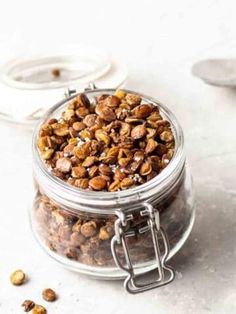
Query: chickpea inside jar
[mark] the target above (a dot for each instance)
(113, 193)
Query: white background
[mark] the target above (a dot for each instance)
(159, 41)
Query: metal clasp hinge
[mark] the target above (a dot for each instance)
(71, 91)
(166, 274)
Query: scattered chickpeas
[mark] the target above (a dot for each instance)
(17, 278)
(39, 309)
(28, 305)
(49, 295)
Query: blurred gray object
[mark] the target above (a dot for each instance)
(218, 72)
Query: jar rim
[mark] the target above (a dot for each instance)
(62, 190)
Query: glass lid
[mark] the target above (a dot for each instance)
(30, 85)
(45, 72)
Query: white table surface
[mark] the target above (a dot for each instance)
(159, 41)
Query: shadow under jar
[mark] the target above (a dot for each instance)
(114, 235)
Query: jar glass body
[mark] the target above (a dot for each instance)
(76, 227)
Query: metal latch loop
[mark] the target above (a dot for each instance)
(166, 273)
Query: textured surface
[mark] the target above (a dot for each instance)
(165, 42)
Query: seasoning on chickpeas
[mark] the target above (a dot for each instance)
(111, 143)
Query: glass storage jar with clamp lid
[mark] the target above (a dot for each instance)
(120, 234)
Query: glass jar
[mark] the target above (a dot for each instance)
(125, 233)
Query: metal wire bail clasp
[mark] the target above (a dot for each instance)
(71, 91)
(166, 274)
